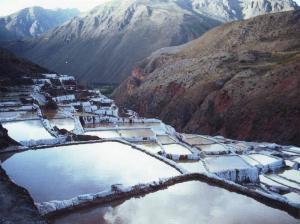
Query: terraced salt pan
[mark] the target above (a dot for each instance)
(184, 203)
(263, 159)
(103, 134)
(142, 133)
(100, 125)
(297, 160)
(214, 149)
(198, 141)
(292, 175)
(193, 167)
(27, 130)
(283, 181)
(176, 149)
(165, 139)
(269, 182)
(18, 115)
(250, 160)
(67, 171)
(231, 168)
(269, 163)
(295, 149)
(293, 197)
(150, 146)
(139, 125)
(65, 123)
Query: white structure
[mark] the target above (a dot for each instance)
(60, 99)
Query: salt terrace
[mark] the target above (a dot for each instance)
(71, 149)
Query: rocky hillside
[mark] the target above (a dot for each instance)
(32, 22)
(105, 44)
(240, 80)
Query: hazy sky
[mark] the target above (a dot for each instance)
(9, 6)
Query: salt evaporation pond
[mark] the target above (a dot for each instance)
(193, 167)
(67, 171)
(27, 130)
(198, 141)
(165, 139)
(65, 123)
(133, 133)
(176, 149)
(103, 134)
(150, 146)
(213, 148)
(190, 202)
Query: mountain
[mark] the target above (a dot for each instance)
(229, 10)
(32, 22)
(240, 80)
(12, 66)
(105, 44)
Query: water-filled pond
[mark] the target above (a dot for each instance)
(104, 134)
(139, 125)
(263, 159)
(176, 149)
(213, 148)
(185, 203)
(65, 123)
(199, 141)
(293, 175)
(18, 115)
(283, 181)
(220, 163)
(67, 171)
(165, 139)
(150, 146)
(27, 130)
(193, 167)
(132, 133)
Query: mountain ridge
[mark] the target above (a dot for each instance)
(105, 44)
(32, 22)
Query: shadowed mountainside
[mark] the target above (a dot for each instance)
(12, 66)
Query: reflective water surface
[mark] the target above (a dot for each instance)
(67, 171)
(176, 149)
(65, 123)
(27, 130)
(185, 203)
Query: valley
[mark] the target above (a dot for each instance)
(139, 111)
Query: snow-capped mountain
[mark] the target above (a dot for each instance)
(228, 10)
(32, 22)
(105, 44)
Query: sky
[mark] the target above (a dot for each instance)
(10, 6)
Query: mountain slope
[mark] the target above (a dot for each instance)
(32, 22)
(12, 66)
(105, 44)
(229, 10)
(240, 80)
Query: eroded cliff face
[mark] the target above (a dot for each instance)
(240, 80)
